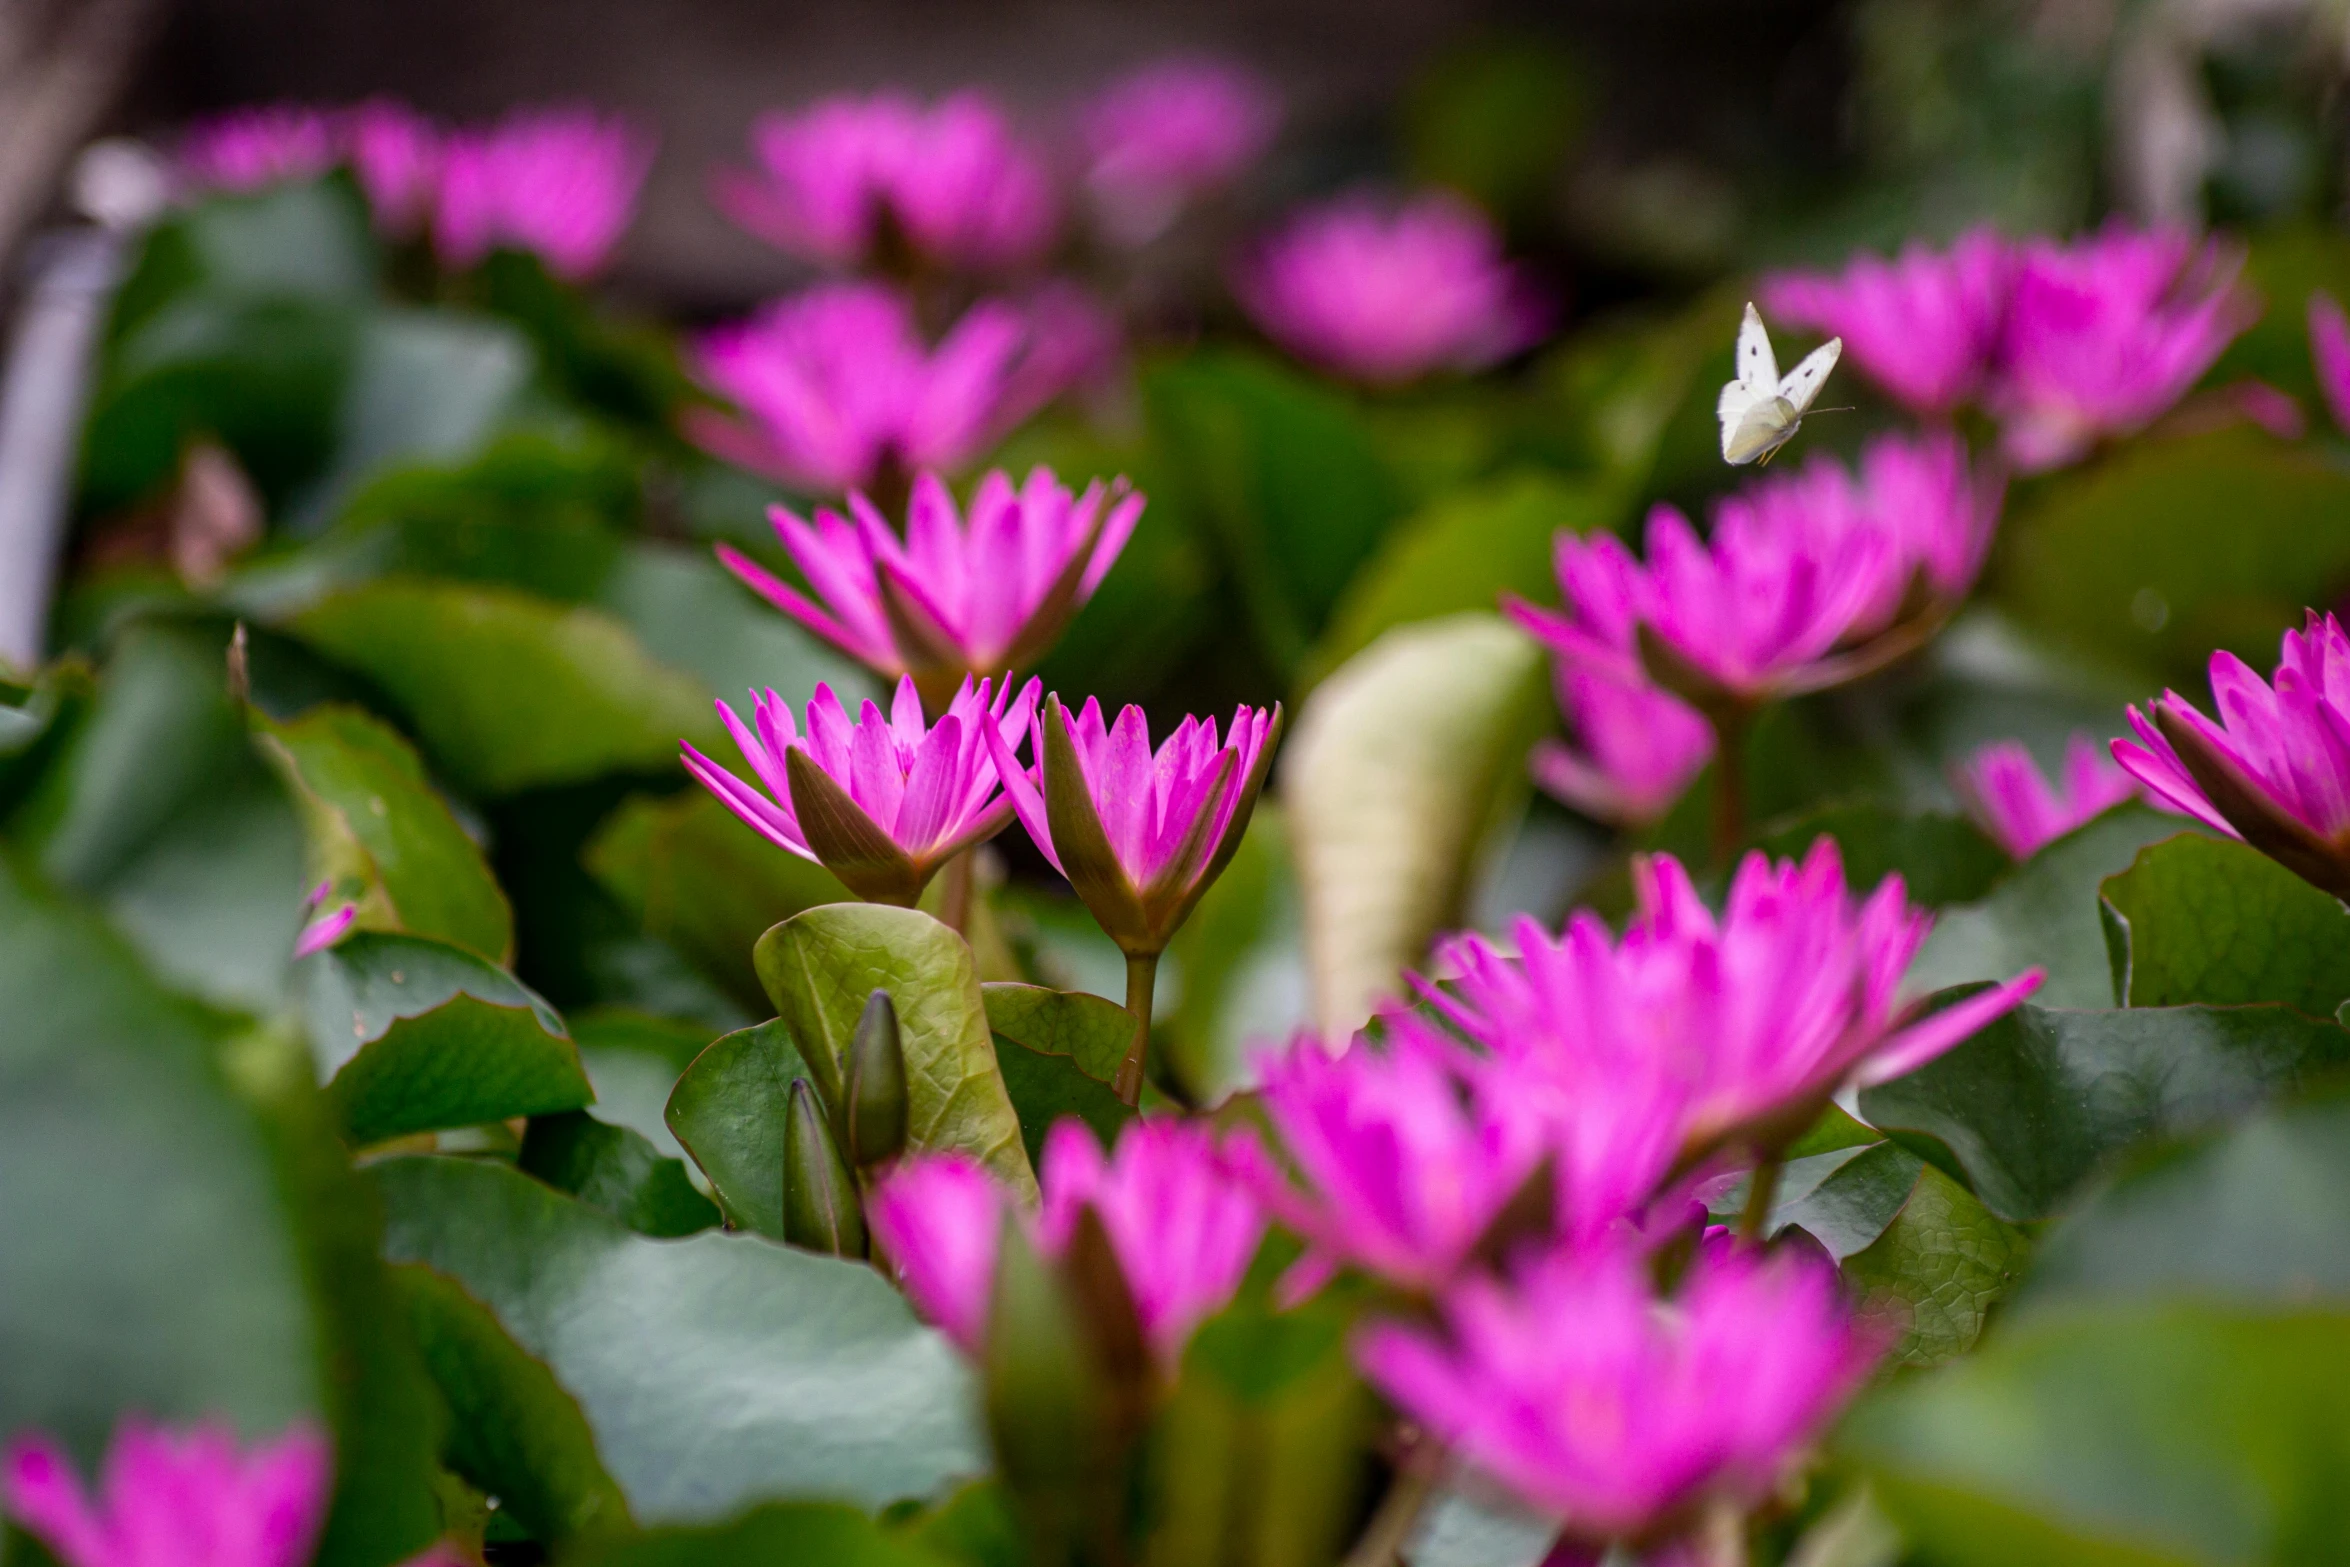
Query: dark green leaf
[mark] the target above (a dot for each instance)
(160, 811)
(973, 1528)
(1832, 1131)
(182, 1235)
(2259, 1214)
(515, 1433)
(615, 1171)
(819, 968)
(692, 615)
(419, 1036)
(382, 836)
(1848, 1209)
(728, 1111)
(1941, 859)
(1242, 961)
(2044, 916)
(785, 1534)
(508, 691)
(2167, 1433)
(1934, 1274)
(1059, 1051)
(700, 879)
(2213, 920)
(1462, 553)
(634, 1059)
(2120, 560)
(2031, 1106)
(714, 1371)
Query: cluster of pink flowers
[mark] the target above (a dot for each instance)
(560, 183)
(2066, 344)
(1603, 1077)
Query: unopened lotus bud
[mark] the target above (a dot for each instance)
(820, 1206)
(873, 1089)
(1047, 1410)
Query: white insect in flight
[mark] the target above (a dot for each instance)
(1759, 411)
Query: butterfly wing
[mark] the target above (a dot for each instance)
(1758, 367)
(1803, 383)
(1758, 431)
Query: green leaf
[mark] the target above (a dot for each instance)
(692, 615)
(820, 1534)
(613, 1170)
(1941, 859)
(508, 691)
(1461, 553)
(159, 810)
(419, 1036)
(696, 876)
(1832, 1131)
(1059, 1051)
(1481, 1526)
(1402, 766)
(2032, 1105)
(728, 1112)
(182, 1235)
(634, 1059)
(2214, 920)
(1280, 474)
(2045, 915)
(2164, 1433)
(819, 968)
(714, 1371)
(2258, 1214)
(2120, 560)
(1242, 965)
(1848, 1209)
(1935, 1273)
(306, 240)
(1261, 1456)
(382, 835)
(514, 1433)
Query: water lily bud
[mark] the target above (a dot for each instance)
(873, 1090)
(1048, 1411)
(820, 1207)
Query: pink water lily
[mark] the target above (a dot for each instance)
(1635, 747)
(192, 1498)
(321, 931)
(2104, 335)
(1923, 325)
(2329, 355)
(559, 183)
(1140, 836)
(253, 148)
(396, 154)
(837, 387)
(952, 180)
(2275, 770)
(987, 589)
(1575, 1386)
(2005, 792)
(883, 802)
(1166, 135)
(1757, 1016)
(1184, 1230)
(1386, 292)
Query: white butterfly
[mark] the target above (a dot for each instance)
(1760, 412)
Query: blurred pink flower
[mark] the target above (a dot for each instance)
(2275, 771)
(1140, 836)
(1756, 1017)
(1407, 1151)
(1183, 1229)
(836, 385)
(955, 598)
(2329, 353)
(2104, 335)
(1634, 752)
(2003, 789)
(186, 1499)
(1386, 292)
(1923, 326)
(560, 183)
(1580, 1390)
(953, 178)
(249, 149)
(396, 153)
(1163, 136)
(321, 931)
(881, 803)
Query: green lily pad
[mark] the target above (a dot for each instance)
(1059, 1052)
(728, 1111)
(2216, 921)
(1933, 1276)
(614, 1170)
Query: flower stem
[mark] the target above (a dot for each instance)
(954, 893)
(1730, 726)
(1761, 1188)
(1142, 974)
(1399, 1509)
